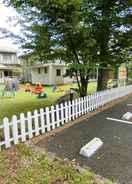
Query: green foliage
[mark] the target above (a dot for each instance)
(24, 150)
(79, 32)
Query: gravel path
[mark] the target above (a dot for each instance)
(114, 159)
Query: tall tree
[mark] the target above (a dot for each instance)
(80, 32)
(112, 22)
(70, 38)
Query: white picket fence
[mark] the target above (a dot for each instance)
(38, 122)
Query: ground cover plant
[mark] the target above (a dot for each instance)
(23, 165)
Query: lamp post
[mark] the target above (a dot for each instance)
(97, 72)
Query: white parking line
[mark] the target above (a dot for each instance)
(129, 105)
(119, 120)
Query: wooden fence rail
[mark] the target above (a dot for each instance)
(38, 122)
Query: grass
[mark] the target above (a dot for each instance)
(21, 165)
(24, 102)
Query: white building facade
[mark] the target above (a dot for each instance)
(9, 64)
(50, 74)
(47, 73)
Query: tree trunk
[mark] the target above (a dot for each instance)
(83, 87)
(104, 76)
(100, 83)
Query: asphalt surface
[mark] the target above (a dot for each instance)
(114, 159)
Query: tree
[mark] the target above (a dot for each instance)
(80, 32)
(112, 25)
(69, 37)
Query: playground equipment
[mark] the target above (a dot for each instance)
(28, 87)
(42, 95)
(38, 89)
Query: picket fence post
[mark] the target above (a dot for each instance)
(53, 117)
(62, 113)
(15, 129)
(23, 128)
(36, 122)
(6, 132)
(30, 125)
(69, 110)
(48, 118)
(42, 120)
(57, 115)
(66, 112)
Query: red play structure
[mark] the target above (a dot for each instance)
(38, 89)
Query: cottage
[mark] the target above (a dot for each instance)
(50, 73)
(46, 73)
(9, 64)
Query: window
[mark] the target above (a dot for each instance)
(58, 72)
(45, 70)
(7, 56)
(39, 70)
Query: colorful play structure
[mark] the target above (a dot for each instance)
(37, 90)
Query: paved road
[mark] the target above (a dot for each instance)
(114, 159)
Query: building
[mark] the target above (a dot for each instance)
(48, 73)
(9, 63)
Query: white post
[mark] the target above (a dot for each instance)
(57, 116)
(36, 123)
(87, 98)
(22, 125)
(53, 117)
(79, 105)
(66, 112)
(6, 132)
(85, 105)
(69, 110)
(30, 127)
(42, 120)
(47, 119)
(15, 129)
(62, 113)
(82, 109)
(73, 110)
(76, 108)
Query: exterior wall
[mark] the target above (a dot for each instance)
(8, 58)
(58, 79)
(41, 77)
(51, 76)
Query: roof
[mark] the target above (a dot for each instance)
(8, 49)
(3, 66)
(49, 64)
(9, 67)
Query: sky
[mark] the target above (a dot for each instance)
(5, 13)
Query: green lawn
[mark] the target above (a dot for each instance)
(21, 165)
(24, 102)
